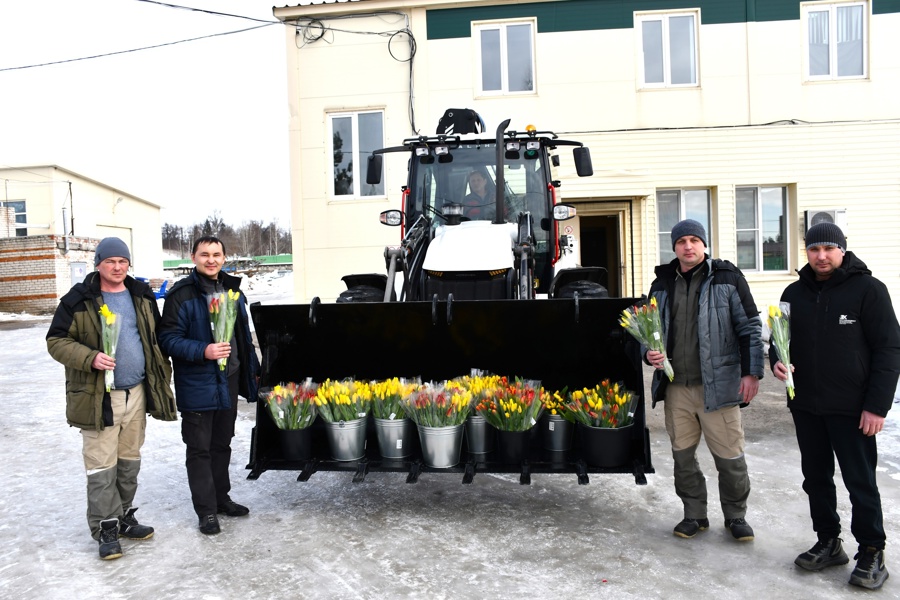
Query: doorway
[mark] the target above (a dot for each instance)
(599, 241)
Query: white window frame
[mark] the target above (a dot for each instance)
(832, 9)
(759, 228)
(20, 220)
(664, 17)
(664, 237)
(502, 26)
(359, 160)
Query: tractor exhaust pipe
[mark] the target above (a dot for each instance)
(500, 183)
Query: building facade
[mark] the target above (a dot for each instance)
(52, 219)
(755, 118)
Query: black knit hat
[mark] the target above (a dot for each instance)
(688, 227)
(109, 247)
(826, 234)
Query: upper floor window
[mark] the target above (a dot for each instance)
(673, 206)
(835, 40)
(761, 228)
(17, 208)
(353, 137)
(505, 57)
(668, 48)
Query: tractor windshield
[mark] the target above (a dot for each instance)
(467, 177)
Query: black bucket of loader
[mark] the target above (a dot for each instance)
(564, 343)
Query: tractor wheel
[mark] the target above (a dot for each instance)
(584, 289)
(362, 293)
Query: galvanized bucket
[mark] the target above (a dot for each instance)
(347, 439)
(441, 446)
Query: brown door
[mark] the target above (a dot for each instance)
(599, 239)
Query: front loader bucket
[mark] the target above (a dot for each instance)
(564, 343)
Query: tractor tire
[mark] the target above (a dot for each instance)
(584, 289)
(362, 293)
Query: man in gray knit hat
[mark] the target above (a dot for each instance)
(845, 354)
(713, 337)
(112, 420)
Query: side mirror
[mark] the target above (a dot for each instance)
(374, 166)
(582, 158)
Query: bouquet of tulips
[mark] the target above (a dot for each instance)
(222, 315)
(780, 326)
(643, 322)
(554, 402)
(512, 406)
(388, 397)
(605, 405)
(291, 405)
(346, 400)
(438, 405)
(109, 327)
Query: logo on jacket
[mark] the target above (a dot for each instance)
(843, 320)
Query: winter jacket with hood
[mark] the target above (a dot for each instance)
(75, 338)
(845, 342)
(729, 328)
(184, 332)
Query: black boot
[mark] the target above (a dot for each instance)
(209, 524)
(826, 553)
(109, 539)
(131, 529)
(870, 571)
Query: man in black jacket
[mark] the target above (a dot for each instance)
(845, 353)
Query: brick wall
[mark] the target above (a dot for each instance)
(35, 271)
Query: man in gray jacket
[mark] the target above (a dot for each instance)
(714, 340)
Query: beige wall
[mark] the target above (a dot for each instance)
(92, 210)
(752, 121)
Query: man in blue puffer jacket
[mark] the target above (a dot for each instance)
(205, 394)
(714, 339)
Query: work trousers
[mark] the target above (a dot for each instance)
(112, 458)
(821, 438)
(207, 436)
(686, 421)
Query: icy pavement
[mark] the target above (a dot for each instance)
(383, 538)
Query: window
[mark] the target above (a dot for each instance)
(668, 49)
(674, 205)
(353, 138)
(506, 58)
(761, 227)
(835, 40)
(17, 207)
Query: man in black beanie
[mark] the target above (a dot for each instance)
(713, 337)
(845, 353)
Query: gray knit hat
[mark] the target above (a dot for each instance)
(826, 234)
(109, 247)
(688, 227)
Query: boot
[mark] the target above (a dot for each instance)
(826, 553)
(131, 529)
(870, 571)
(109, 539)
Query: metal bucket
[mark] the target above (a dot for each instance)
(395, 437)
(441, 446)
(480, 435)
(347, 439)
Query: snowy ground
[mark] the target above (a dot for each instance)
(383, 538)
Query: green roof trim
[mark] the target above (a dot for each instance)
(589, 15)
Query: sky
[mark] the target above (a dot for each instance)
(195, 127)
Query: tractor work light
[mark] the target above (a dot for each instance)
(532, 145)
(512, 146)
(422, 151)
(441, 150)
